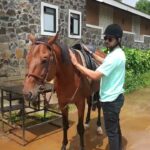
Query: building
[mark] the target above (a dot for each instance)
(77, 20)
(136, 25)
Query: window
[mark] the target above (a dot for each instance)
(74, 26)
(49, 19)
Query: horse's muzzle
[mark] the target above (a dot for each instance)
(28, 96)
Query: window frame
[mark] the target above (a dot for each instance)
(43, 5)
(77, 36)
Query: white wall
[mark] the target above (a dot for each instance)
(106, 16)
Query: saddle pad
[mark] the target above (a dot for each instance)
(83, 62)
(82, 57)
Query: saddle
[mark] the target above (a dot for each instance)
(89, 61)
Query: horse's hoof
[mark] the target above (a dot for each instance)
(93, 108)
(63, 147)
(86, 126)
(99, 130)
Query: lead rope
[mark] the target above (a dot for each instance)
(73, 96)
(47, 101)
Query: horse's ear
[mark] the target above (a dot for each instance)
(31, 37)
(54, 38)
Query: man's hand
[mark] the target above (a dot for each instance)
(94, 75)
(73, 58)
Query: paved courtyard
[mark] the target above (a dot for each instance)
(135, 123)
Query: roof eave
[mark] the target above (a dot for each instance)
(125, 7)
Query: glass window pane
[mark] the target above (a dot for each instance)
(49, 23)
(76, 26)
(75, 16)
(49, 10)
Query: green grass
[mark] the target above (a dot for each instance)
(35, 118)
(137, 82)
(146, 79)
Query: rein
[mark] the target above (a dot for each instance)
(74, 94)
(42, 91)
(42, 79)
(39, 78)
(44, 43)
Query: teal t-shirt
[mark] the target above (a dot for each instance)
(113, 70)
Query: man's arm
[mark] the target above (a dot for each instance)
(98, 58)
(94, 75)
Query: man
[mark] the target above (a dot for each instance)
(112, 75)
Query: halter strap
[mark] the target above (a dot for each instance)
(44, 43)
(36, 76)
(41, 79)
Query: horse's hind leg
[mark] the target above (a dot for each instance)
(99, 114)
(80, 126)
(65, 128)
(99, 128)
(88, 116)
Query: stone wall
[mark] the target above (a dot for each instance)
(129, 41)
(18, 18)
(93, 36)
(146, 42)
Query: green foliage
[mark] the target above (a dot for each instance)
(137, 60)
(137, 68)
(144, 6)
(146, 79)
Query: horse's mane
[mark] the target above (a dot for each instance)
(64, 49)
(64, 52)
(42, 39)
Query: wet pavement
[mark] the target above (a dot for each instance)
(135, 124)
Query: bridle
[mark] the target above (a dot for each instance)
(43, 79)
(37, 77)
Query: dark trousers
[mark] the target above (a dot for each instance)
(111, 112)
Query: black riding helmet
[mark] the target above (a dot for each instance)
(114, 30)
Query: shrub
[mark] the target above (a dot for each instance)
(138, 64)
(137, 68)
(137, 60)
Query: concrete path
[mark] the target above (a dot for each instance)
(135, 123)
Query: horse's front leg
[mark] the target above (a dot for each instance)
(65, 128)
(80, 125)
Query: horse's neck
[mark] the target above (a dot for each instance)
(64, 70)
(68, 79)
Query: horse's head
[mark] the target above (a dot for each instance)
(41, 66)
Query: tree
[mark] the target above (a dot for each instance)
(144, 6)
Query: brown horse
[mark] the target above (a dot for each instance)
(47, 60)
